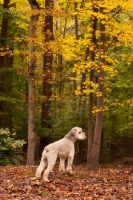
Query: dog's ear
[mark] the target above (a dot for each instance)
(73, 132)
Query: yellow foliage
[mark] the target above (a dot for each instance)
(118, 31)
(99, 94)
(96, 110)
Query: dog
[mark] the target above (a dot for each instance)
(63, 148)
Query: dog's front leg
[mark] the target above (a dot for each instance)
(69, 164)
(62, 165)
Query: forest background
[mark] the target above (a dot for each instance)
(66, 63)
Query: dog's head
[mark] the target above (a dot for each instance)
(76, 134)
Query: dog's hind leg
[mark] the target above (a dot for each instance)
(42, 165)
(51, 164)
(62, 165)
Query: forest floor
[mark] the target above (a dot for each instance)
(107, 183)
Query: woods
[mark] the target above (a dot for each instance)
(65, 64)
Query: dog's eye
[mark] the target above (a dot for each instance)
(80, 132)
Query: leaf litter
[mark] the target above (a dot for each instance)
(107, 183)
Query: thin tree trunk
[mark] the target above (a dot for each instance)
(93, 24)
(77, 37)
(60, 89)
(60, 64)
(82, 100)
(94, 161)
(31, 88)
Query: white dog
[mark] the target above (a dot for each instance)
(63, 148)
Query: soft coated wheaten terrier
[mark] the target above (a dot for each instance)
(62, 148)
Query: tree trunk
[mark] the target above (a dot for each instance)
(94, 161)
(47, 68)
(6, 61)
(47, 72)
(31, 88)
(93, 24)
(80, 157)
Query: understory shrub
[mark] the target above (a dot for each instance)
(10, 148)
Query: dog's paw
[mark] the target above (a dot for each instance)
(62, 171)
(38, 174)
(45, 179)
(71, 172)
(38, 177)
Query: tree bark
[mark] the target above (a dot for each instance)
(94, 161)
(31, 88)
(47, 72)
(47, 68)
(6, 61)
(93, 24)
